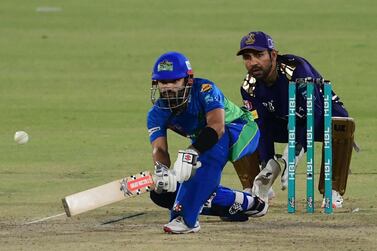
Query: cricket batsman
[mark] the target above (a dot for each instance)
(218, 131)
(265, 90)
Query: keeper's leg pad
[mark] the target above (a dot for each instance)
(247, 169)
(343, 129)
(265, 179)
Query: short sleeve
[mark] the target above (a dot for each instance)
(210, 97)
(156, 124)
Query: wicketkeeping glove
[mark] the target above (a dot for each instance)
(284, 159)
(186, 164)
(249, 84)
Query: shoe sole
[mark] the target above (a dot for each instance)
(193, 230)
(240, 219)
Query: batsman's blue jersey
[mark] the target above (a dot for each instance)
(204, 97)
(239, 139)
(271, 104)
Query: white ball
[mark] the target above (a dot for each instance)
(21, 137)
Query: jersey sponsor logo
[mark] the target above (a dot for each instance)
(206, 87)
(165, 66)
(255, 114)
(269, 105)
(208, 99)
(153, 130)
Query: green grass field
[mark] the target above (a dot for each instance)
(76, 76)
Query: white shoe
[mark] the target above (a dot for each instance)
(337, 200)
(178, 226)
(259, 208)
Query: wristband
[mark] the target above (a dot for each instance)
(206, 139)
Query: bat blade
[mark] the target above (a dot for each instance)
(108, 193)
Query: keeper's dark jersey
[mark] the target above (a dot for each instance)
(271, 104)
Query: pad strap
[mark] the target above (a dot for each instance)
(239, 197)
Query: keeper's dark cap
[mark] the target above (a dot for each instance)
(256, 40)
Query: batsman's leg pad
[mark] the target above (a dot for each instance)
(343, 129)
(230, 205)
(247, 169)
(165, 200)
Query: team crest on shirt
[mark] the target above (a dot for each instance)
(250, 39)
(165, 66)
(206, 87)
(269, 105)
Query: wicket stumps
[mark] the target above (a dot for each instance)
(327, 141)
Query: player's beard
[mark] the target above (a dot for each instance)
(176, 101)
(261, 73)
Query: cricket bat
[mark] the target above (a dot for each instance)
(108, 193)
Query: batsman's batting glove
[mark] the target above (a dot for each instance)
(186, 164)
(164, 179)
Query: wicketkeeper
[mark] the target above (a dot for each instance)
(265, 91)
(218, 131)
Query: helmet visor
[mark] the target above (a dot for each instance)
(170, 96)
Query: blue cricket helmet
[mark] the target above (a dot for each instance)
(171, 65)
